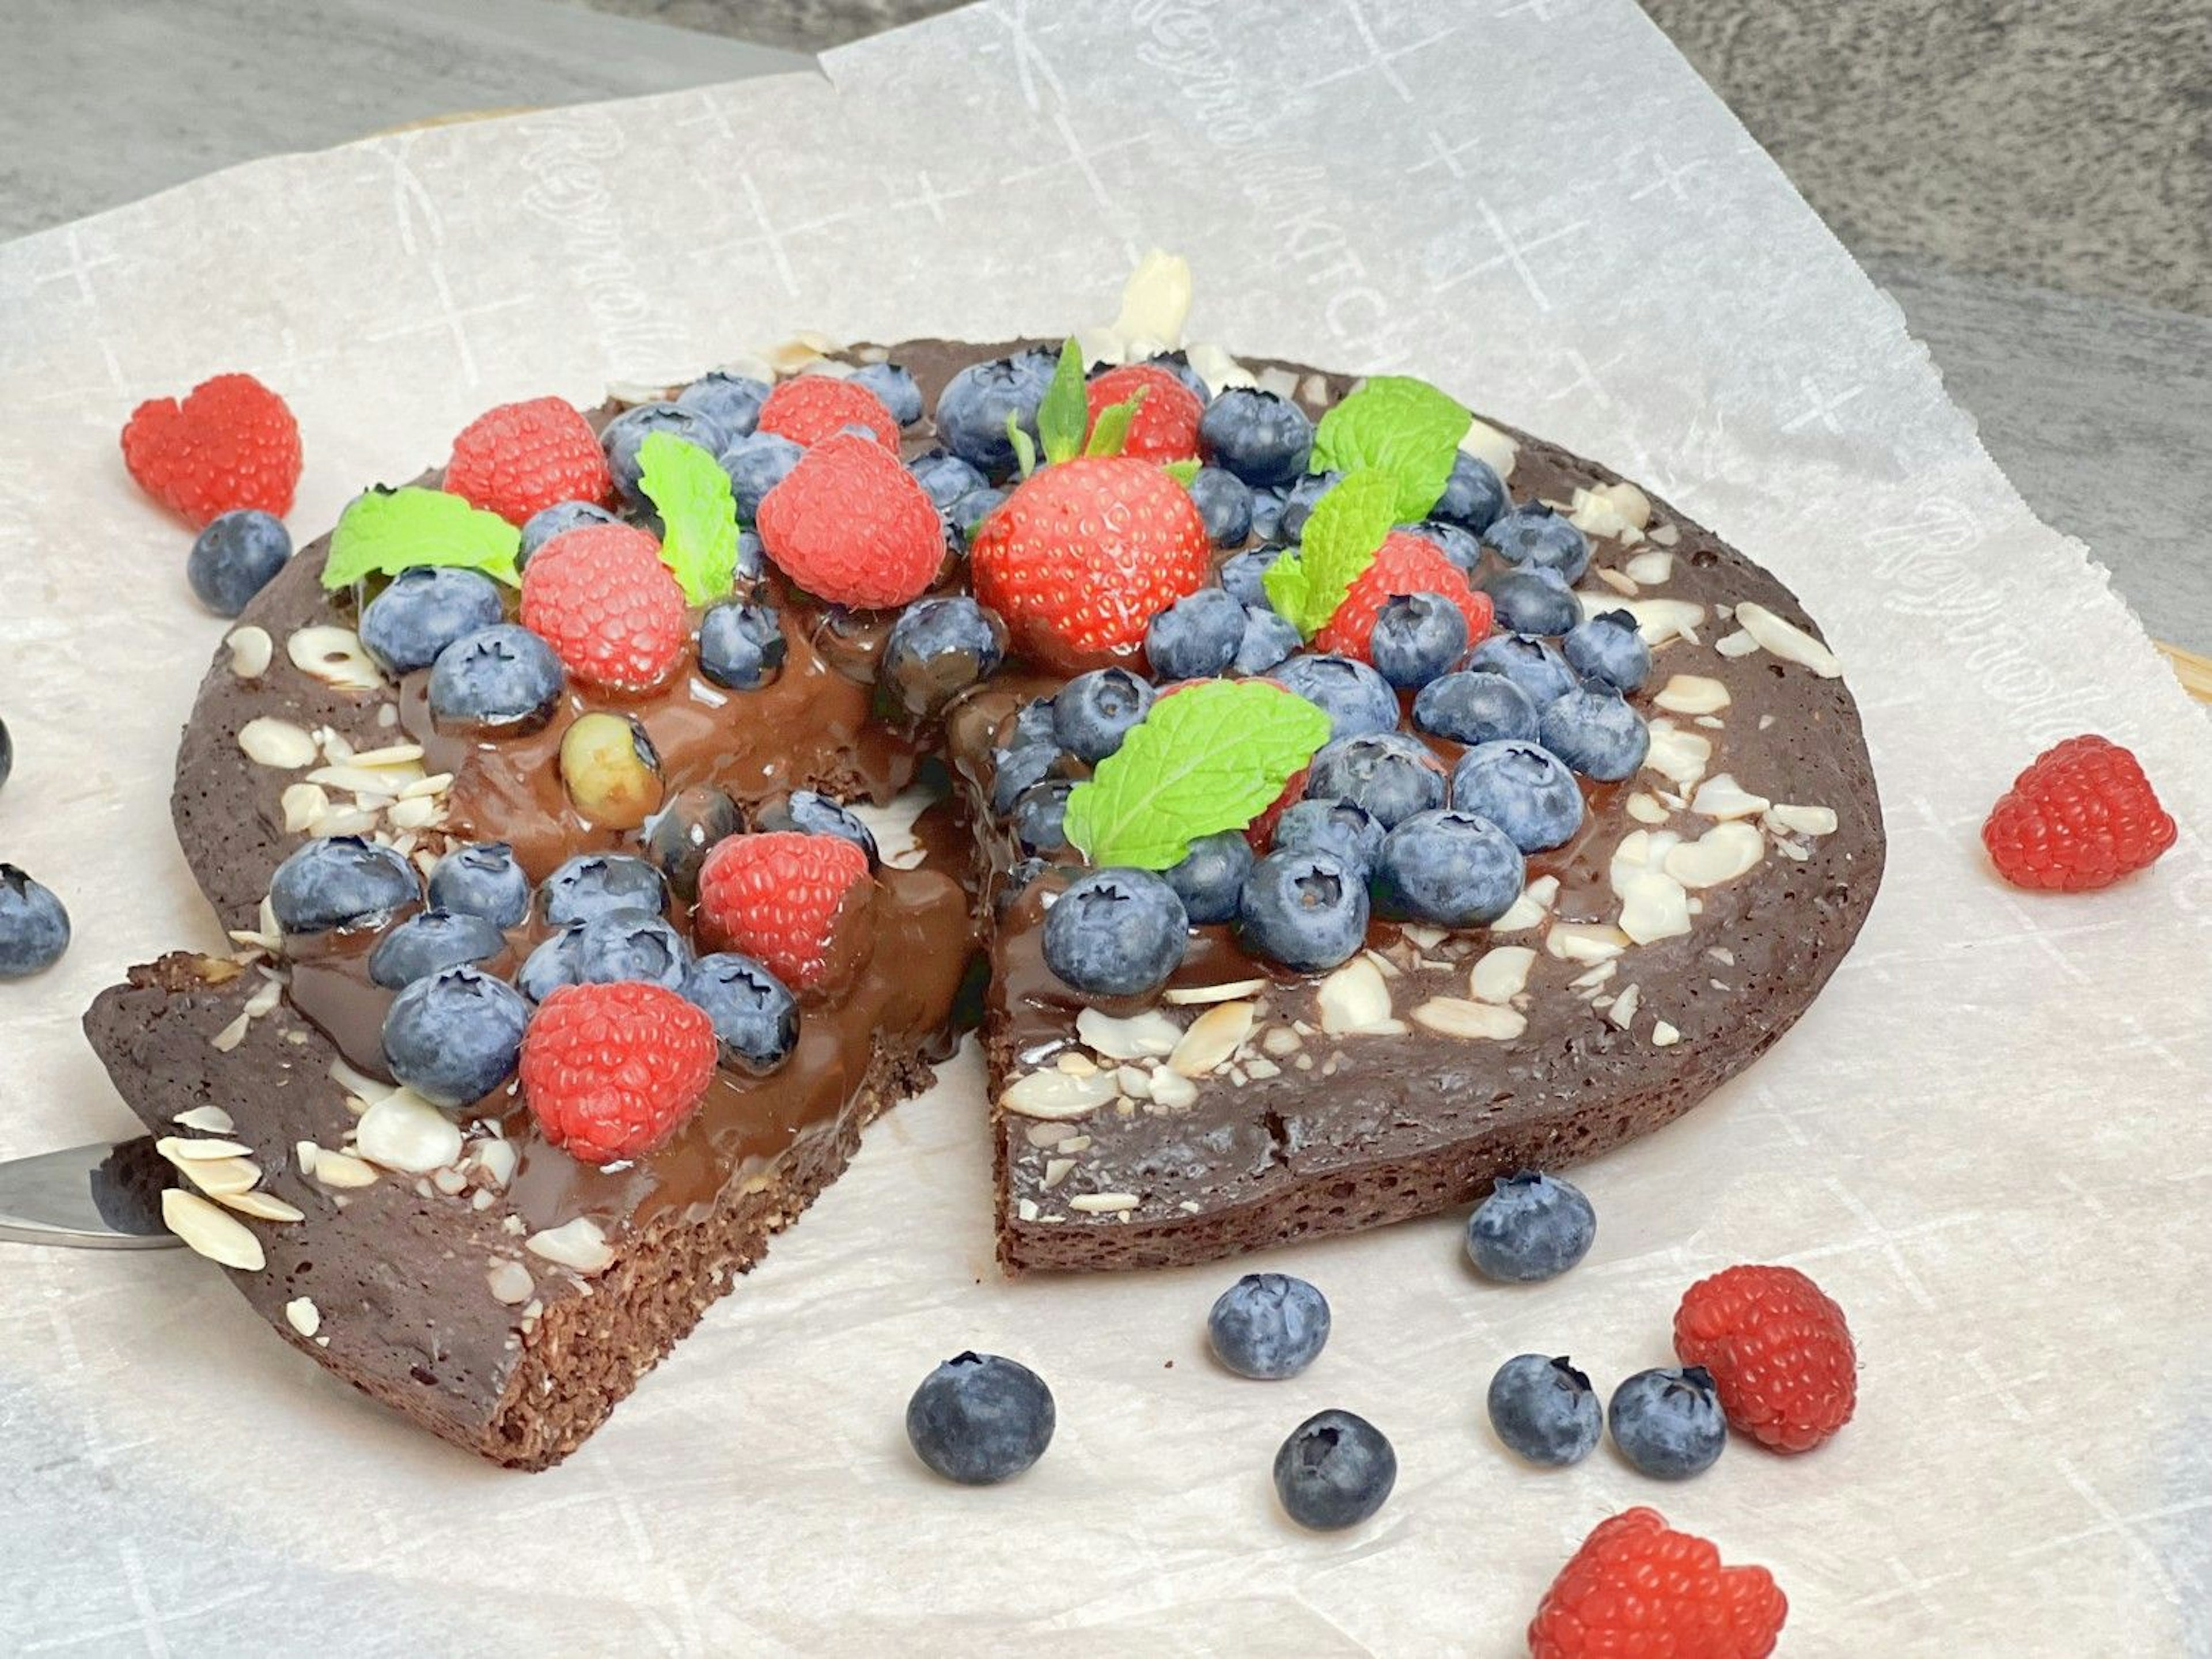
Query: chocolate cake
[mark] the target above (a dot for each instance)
(464, 1268)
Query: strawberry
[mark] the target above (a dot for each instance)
(1637, 1587)
(808, 407)
(1081, 557)
(517, 457)
(1403, 564)
(849, 523)
(1779, 1351)
(611, 1070)
(611, 609)
(1165, 427)
(785, 898)
(2081, 816)
(231, 443)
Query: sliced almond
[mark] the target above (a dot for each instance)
(267, 741)
(208, 1230)
(251, 651)
(1584, 941)
(405, 1131)
(1787, 640)
(1056, 1170)
(1057, 1094)
(334, 1169)
(178, 1150)
(1721, 854)
(1677, 754)
(1659, 619)
(262, 1206)
(1691, 694)
(1501, 972)
(1136, 1036)
(1102, 1203)
(1173, 1090)
(1721, 796)
(1652, 567)
(1804, 820)
(1645, 808)
(301, 805)
(580, 1244)
(1664, 1035)
(1738, 644)
(1355, 998)
(1455, 1017)
(497, 1158)
(301, 1314)
(1213, 1037)
(334, 656)
(1623, 1010)
(1486, 444)
(510, 1283)
(1185, 995)
(207, 1120)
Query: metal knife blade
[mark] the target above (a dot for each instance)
(104, 1196)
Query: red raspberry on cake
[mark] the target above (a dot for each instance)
(1637, 1587)
(851, 525)
(1165, 427)
(611, 609)
(517, 457)
(231, 443)
(809, 408)
(791, 901)
(2080, 817)
(1781, 1356)
(1403, 564)
(611, 1070)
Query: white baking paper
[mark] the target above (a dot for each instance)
(1989, 1139)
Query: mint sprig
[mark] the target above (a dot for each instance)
(1402, 426)
(698, 514)
(1209, 758)
(1347, 524)
(385, 532)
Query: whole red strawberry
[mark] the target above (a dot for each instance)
(1403, 564)
(231, 443)
(611, 1070)
(517, 457)
(808, 407)
(2082, 816)
(1081, 557)
(1165, 427)
(785, 898)
(1780, 1353)
(611, 609)
(1638, 1590)
(851, 525)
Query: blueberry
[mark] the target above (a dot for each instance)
(1473, 496)
(967, 514)
(944, 477)
(936, 649)
(1116, 933)
(1455, 541)
(811, 813)
(453, 1036)
(1334, 1471)
(1532, 1227)
(1196, 637)
(7, 754)
(1269, 642)
(424, 609)
(1245, 575)
(752, 562)
(35, 928)
(592, 883)
(757, 464)
(1531, 600)
(1544, 1410)
(972, 410)
(895, 387)
(1530, 662)
(732, 402)
(1534, 535)
(1093, 711)
(1020, 876)
(754, 1016)
(1448, 868)
(1267, 513)
(1340, 827)
(1268, 1326)
(1224, 504)
(1211, 876)
(1471, 707)
(237, 555)
(626, 944)
(1032, 723)
(980, 1420)
(1298, 501)
(503, 675)
(1668, 1423)
(741, 645)
(1178, 363)
(543, 525)
(1606, 650)
(1353, 696)
(1013, 770)
(551, 965)
(1261, 438)
(1598, 734)
(1390, 775)
(1523, 788)
(1417, 636)
(624, 436)
(1039, 819)
(340, 881)
(1304, 907)
(429, 941)
(678, 837)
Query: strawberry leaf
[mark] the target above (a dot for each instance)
(1112, 430)
(1211, 757)
(1184, 472)
(385, 532)
(1404, 427)
(1347, 524)
(1065, 411)
(1024, 445)
(698, 514)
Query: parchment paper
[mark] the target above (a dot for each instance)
(1988, 1139)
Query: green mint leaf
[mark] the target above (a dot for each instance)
(1347, 524)
(1065, 411)
(1403, 426)
(698, 514)
(1112, 430)
(1211, 757)
(1024, 445)
(1184, 472)
(385, 532)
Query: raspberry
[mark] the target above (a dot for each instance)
(232, 443)
(1165, 428)
(611, 1070)
(849, 523)
(611, 609)
(809, 408)
(1637, 1587)
(783, 897)
(2081, 816)
(517, 457)
(1261, 832)
(1403, 564)
(1779, 1352)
